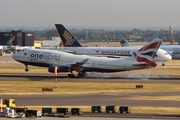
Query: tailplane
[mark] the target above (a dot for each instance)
(147, 53)
(123, 41)
(9, 42)
(67, 39)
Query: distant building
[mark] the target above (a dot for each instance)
(21, 38)
(134, 37)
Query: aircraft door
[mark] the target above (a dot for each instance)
(93, 63)
(27, 56)
(124, 67)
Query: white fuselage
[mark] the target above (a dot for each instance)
(174, 48)
(161, 55)
(46, 58)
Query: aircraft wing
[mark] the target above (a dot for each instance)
(78, 66)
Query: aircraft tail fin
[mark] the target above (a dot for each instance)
(9, 42)
(154, 36)
(61, 44)
(67, 39)
(123, 41)
(147, 53)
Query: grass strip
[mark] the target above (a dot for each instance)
(161, 98)
(35, 87)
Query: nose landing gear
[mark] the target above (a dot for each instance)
(26, 68)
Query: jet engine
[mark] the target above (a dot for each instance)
(170, 52)
(59, 69)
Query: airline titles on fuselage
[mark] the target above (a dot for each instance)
(115, 52)
(47, 57)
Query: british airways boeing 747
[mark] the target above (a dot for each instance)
(67, 62)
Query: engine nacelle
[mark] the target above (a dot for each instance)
(59, 69)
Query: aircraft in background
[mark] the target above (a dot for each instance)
(73, 46)
(7, 46)
(66, 62)
(60, 46)
(173, 50)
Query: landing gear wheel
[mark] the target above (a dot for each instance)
(26, 69)
(163, 64)
(71, 75)
(81, 74)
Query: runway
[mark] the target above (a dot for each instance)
(94, 99)
(64, 78)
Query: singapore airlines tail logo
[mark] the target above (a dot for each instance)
(68, 37)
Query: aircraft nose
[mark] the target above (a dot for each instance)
(168, 57)
(14, 56)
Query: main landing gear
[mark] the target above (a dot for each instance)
(71, 75)
(26, 68)
(163, 64)
(81, 74)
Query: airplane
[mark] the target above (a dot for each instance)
(71, 45)
(58, 61)
(173, 50)
(60, 46)
(7, 46)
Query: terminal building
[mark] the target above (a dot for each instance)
(21, 38)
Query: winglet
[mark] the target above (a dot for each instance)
(123, 41)
(9, 42)
(147, 53)
(67, 39)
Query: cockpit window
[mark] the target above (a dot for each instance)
(165, 53)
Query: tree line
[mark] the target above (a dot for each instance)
(102, 35)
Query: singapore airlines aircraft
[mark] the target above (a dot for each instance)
(66, 62)
(71, 45)
(173, 50)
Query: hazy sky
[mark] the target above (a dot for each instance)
(101, 13)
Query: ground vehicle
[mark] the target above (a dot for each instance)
(9, 103)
